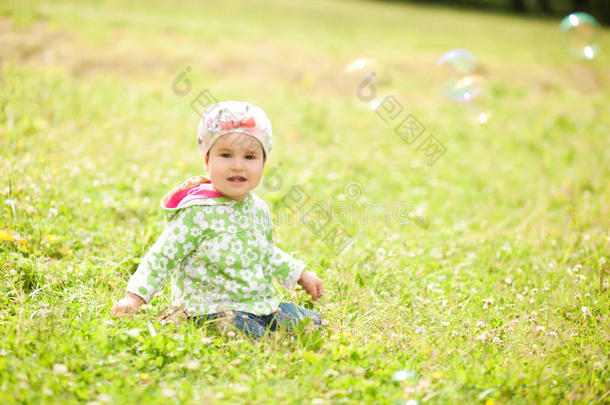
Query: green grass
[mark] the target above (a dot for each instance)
(493, 292)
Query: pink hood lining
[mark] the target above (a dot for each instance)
(191, 192)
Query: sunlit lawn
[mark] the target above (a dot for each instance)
(481, 278)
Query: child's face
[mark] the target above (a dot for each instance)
(235, 163)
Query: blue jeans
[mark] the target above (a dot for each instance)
(287, 317)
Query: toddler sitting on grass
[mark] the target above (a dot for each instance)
(218, 246)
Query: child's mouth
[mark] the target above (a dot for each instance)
(236, 179)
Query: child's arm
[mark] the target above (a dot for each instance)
(290, 271)
(312, 284)
(175, 243)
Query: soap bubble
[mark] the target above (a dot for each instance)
(362, 78)
(361, 68)
(580, 30)
(478, 114)
(463, 82)
(466, 88)
(462, 60)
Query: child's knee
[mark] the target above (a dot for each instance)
(316, 318)
(249, 326)
(289, 315)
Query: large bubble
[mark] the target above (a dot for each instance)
(464, 81)
(580, 30)
(362, 79)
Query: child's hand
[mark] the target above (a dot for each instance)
(127, 305)
(312, 284)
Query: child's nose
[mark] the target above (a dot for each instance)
(237, 164)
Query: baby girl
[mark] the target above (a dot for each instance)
(218, 245)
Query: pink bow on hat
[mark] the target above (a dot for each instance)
(230, 116)
(232, 124)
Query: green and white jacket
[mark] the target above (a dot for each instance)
(218, 252)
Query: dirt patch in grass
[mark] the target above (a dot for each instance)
(39, 45)
(128, 54)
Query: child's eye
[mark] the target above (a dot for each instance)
(250, 157)
(225, 155)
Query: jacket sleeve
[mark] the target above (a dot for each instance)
(286, 269)
(179, 239)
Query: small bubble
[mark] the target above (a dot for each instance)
(362, 78)
(581, 35)
(463, 83)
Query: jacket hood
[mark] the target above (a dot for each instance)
(197, 190)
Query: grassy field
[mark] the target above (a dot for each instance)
(485, 282)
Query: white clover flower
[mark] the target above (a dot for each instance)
(133, 333)
(168, 392)
(420, 330)
(60, 369)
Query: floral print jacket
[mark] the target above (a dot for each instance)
(218, 252)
